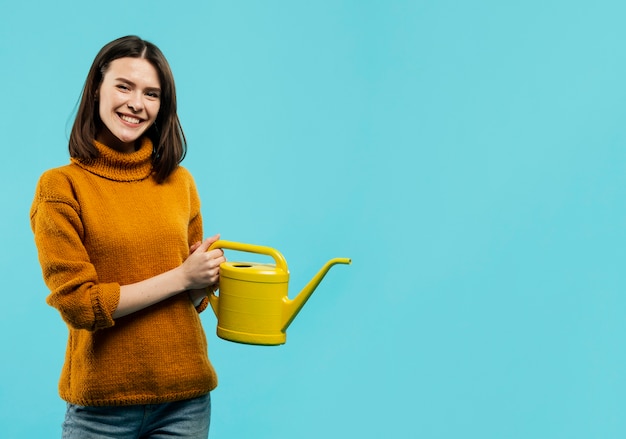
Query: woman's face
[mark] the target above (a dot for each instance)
(129, 99)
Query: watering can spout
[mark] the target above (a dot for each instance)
(293, 307)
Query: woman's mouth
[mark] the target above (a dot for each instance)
(129, 119)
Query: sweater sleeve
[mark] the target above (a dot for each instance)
(75, 292)
(195, 217)
(195, 229)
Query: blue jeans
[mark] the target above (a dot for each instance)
(184, 419)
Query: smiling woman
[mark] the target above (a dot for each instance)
(130, 77)
(119, 236)
(129, 102)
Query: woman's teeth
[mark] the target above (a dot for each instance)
(130, 119)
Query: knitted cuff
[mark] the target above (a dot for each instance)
(203, 305)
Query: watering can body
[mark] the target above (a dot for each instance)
(253, 306)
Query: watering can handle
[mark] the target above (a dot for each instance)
(252, 248)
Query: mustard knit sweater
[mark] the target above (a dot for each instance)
(104, 223)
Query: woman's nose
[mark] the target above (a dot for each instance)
(135, 103)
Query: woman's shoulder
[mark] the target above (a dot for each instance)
(182, 182)
(64, 170)
(182, 171)
(181, 175)
(57, 183)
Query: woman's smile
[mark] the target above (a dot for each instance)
(129, 119)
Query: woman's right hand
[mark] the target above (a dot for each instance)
(202, 267)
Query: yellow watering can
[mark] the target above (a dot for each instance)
(252, 306)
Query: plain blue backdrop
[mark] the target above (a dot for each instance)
(468, 156)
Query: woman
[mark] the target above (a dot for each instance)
(119, 236)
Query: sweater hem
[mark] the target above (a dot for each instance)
(136, 399)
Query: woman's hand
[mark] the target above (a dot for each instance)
(200, 270)
(202, 267)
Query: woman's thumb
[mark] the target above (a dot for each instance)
(207, 242)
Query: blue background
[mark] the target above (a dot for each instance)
(468, 156)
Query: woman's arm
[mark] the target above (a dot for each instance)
(76, 291)
(200, 270)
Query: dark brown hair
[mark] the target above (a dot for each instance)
(168, 139)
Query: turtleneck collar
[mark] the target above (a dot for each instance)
(117, 166)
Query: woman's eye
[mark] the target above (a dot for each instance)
(153, 95)
(122, 87)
